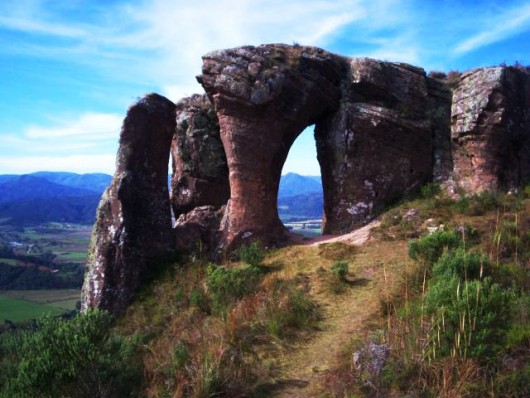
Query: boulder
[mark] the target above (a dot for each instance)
(199, 229)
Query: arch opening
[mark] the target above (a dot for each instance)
(300, 194)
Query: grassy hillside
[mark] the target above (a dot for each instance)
(436, 304)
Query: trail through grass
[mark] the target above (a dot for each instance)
(376, 271)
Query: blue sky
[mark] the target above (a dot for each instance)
(69, 69)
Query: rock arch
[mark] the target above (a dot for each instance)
(374, 138)
(264, 97)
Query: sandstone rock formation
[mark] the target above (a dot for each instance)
(382, 130)
(200, 172)
(491, 129)
(199, 229)
(133, 226)
(377, 146)
(264, 97)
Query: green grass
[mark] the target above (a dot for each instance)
(9, 261)
(19, 310)
(61, 299)
(73, 256)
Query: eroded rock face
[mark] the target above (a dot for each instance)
(377, 146)
(199, 229)
(264, 97)
(491, 129)
(133, 226)
(200, 171)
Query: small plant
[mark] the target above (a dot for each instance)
(429, 248)
(430, 190)
(453, 79)
(181, 355)
(339, 270)
(229, 284)
(288, 308)
(252, 254)
(199, 300)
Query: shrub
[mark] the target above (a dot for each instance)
(462, 264)
(252, 254)
(69, 358)
(477, 205)
(429, 248)
(229, 284)
(339, 270)
(470, 318)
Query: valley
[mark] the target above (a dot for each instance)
(42, 256)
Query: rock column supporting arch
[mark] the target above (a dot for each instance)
(264, 97)
(378, 146)
(133, 226)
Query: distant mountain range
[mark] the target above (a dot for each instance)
(50, 196)
(68, 197)
(300, 197)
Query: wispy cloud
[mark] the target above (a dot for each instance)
(90, 134)
(94, 125)
(497, 28)
(30, 25)
(162, 41)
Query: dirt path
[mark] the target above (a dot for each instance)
(374, 271)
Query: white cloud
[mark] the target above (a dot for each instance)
(497, 28)
(162, 41)
(95, 125)
(84, 144)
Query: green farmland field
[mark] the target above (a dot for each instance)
(18, 310)
(20, 305)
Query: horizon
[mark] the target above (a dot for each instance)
(111, 175)
(72, 70)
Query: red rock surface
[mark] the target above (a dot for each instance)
(377, 146)
(491, 129)
(264, 97)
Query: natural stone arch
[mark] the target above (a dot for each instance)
(374, 134)
(378, 146)
(264, 97)
(363, 110)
